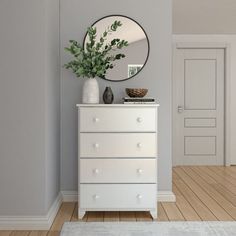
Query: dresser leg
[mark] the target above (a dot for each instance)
(154, 214)
(81, 214)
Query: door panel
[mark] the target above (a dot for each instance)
(200, 145)
(200, 75)
(198, 107)
(200, 122)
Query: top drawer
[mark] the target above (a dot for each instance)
(118, 119)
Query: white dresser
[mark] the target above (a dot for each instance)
(117, 158)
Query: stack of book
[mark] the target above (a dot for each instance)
(137, 100)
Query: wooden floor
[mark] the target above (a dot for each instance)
(202, 194)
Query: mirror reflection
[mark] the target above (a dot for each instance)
(136, 53)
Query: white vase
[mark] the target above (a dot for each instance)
(90, 91)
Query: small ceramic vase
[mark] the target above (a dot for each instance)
(90, 91)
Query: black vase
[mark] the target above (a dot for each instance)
(108, 96)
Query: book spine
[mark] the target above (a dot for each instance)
(139, 102)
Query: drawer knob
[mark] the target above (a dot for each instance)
(139, 145)
(96, 171)
(96, 197)
(139, 196)
(95, 119)
(96, 145)
(139, 119)
(140, 171)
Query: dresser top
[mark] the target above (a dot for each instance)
(118, 105)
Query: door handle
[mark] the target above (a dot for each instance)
(180, 109)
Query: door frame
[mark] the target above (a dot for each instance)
(227, 131)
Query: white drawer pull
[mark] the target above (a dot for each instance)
(95, 197)
(96, 171)
(140, 171)
(139, 196)
(139, 119)
(95, 119)
(96, 145)
(139, 145)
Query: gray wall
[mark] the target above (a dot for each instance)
(26, 152)
(155, 17)
(52, 64)
(204, 17)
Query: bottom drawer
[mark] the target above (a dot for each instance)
(118, 196)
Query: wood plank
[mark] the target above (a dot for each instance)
(199, 170)
(111, 216)
(174, 175)
(232, 168)
(184, 206)
(143, 216)
(20, 233)
(74, 216)
(54, 232)
(127, 216)
(231, 179)
(214, 207)
(5, 232)
(201, 209)
(38, 233)
(162, 216)
(95, 216)
(172, 211)
(218, 187)
(221, 200)
(219, 179)
(64, 214)
(228, 170)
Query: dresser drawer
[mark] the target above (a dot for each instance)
(118, 119)
(99, 145)
(118, 171)
(118, 196)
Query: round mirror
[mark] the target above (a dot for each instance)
(132, 53)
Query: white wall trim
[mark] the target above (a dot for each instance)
(45, 222)
(69, 196)
(31, 222)
(220, 45)
(191, 45)
(166, 196)
(162, 196)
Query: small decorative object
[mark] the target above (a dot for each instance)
(90, 91)
(95, 58)
(136, 92)
(108, 96)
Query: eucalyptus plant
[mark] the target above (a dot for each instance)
(97, 56)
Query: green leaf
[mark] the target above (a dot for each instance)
(95, 58)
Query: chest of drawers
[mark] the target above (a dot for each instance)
(117, 154)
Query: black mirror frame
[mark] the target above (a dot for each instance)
(146, 38)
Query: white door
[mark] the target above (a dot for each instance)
(198, 107)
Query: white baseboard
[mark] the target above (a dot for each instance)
(69, 196)
(45, 222)
(162, 196)
(166, 196)
(31, 222)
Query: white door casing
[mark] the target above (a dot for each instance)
(198, 106)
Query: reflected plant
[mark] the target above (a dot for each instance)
(98, 56)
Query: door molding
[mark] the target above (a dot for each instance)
(227, 121)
